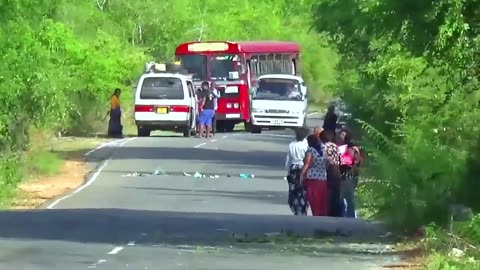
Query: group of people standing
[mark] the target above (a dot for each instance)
(323, 170)
(207, 98)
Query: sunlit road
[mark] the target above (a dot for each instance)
(127, 218)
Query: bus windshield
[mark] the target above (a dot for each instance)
(222, 65)
(196, 65)
(278, 89)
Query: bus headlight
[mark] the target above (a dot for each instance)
(236, 105)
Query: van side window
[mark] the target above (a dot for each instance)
(191, 92)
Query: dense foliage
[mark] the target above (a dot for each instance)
(409, 72)
(61, 59)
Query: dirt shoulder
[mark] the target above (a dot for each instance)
(55, 171)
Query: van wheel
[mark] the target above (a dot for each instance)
(247, 126)
(256, 129)
(187, 132)
(143, 132)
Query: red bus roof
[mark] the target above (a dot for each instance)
(238, 47)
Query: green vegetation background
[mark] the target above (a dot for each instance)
(61, 59)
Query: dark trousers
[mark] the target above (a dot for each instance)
(334, 195)
(115, 128)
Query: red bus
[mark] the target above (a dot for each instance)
(234, 66)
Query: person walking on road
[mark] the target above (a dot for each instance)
(207, 111)
(350, 160)
(198, 94)
(115, 128)
(293, 163)
(333, 174)
(330, 121)
(314, 173)
(214, 88)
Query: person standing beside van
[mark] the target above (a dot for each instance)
(214, 88)
(115, 128)
(207, 111)
(199, 96)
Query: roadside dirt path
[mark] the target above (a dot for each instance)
(37, 190)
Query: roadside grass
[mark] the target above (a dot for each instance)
(50, 167)
(44, 163)
(7, 194)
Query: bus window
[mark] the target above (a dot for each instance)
(194, 64)
(254, 65)
(262, 60)
(278, 63)
(270, 63)
(221, 65)
(287, 64)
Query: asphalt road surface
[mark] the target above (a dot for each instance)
(142, 208)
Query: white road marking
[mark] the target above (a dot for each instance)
(202, 144)
(90, 181)
(105, 144)
(115, 251)
(131, 243)
(213, 140)
(94, 265)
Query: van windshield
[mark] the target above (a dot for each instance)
(278, 89)
(162, 88)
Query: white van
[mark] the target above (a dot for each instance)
(279, 100)
(165, 101)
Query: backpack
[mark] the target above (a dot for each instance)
(347, 157)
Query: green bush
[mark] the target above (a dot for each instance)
(408, 72)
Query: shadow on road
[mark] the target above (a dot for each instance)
(264, 159)
(121, 226)
(273, 197)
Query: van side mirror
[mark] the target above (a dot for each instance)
(303, 90)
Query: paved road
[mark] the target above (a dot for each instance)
(171, 220)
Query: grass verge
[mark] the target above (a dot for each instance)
(50, 171)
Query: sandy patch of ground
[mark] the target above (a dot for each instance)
(37, 191)
(40, 189)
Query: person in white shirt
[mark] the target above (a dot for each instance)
(214, 88)
(294, 163)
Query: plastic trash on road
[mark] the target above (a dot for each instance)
(186, 174)
(243, 175)
(198, 175)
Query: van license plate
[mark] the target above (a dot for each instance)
(162, 110)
